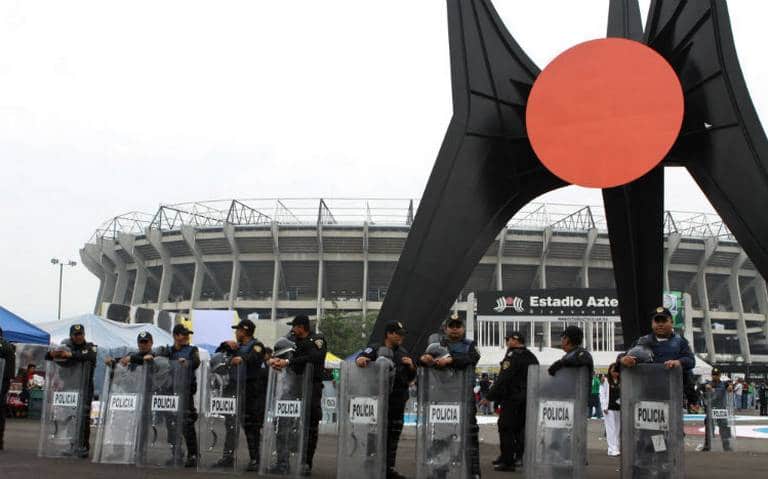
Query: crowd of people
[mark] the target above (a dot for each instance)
(505, 394)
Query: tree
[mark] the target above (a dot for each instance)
(346, 332)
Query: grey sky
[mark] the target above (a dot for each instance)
(109, 107)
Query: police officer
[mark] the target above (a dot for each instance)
(80, 351)
(405, 373)
(8, 354)
(510, 392)
(575, 355)
(188, 356)
(462, 354)
(761, 395)
(247, 352)
(144, 343)
(716, 385)
(310, 349)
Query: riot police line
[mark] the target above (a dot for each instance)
(148, 414)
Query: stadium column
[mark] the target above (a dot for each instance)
(734, 289)
(276, 272)
(365, 270)
(320, 272)
(710, 245)
(96, 251)
(121, 284)
(761, 292)
(94, 266)
(502, 239)
(688, 320)
(201, 269)
(234, 285)
(584, 274)
(541, 275)
(155, 238)
(673, 241)
(128, 242)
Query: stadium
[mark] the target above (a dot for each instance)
(281, 257)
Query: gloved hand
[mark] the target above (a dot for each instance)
(555, 367)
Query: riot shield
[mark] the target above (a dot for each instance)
(64, 408)
(442, 449)
(719, 425)
(286, 422)
(163, 419)
(222, 405)
(556, 423)
(122, 405)
(652, 422)
(362, 434)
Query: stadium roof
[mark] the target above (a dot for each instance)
(380, 212)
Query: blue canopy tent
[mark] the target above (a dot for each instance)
(16, 330)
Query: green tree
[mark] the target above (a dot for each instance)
(346, 332)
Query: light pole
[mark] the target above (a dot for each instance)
(57, 261)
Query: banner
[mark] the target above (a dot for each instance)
(673, 301)
(564, 304)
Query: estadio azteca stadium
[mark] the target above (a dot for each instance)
(281, 257)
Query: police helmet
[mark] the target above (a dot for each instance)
(284, 347)
(437, 351)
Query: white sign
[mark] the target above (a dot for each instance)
(652, 415)
(122, 402)
(329, 402)
(163, 403)
(66, 398)
(659, 444)
(288, 409)
(225, 406)
(719, 414)
(556, 414)
(444, 413)
(363, 410)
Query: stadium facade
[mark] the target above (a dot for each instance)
(279, 257)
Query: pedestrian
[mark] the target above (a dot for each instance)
(762, 392)
(738, 392)
(485, 386)
(594, 398)
(462, 354)
(79, 351)
(405, 374)
(247, 352)
(310, 349)
(712, 388)
(509, 391)
(610, 395)
(8, 355)
(188, 357)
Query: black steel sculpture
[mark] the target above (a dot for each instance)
(486, 169)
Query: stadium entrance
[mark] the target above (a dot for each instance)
(542, 315)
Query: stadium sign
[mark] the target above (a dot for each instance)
(548, 303)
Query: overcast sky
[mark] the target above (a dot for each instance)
(108, 107)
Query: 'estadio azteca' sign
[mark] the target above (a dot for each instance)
(564, 303)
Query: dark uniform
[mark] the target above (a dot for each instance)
(510, 392)
(724, 428)
(576, 357)
(8, 354)
(404, 376)
(192, 357)
(252, 354)
(310, 350)
(465, 355)
(761, 394)
(82, 353)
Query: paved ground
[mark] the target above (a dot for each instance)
(19, 460)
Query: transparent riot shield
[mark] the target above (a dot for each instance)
(162, 422)
(286, 422)
(64, 408)
(719, 424)
(556, 423)
(652, 422)
(362, 434)
(122, 406)
(443, 423)
(222, 406)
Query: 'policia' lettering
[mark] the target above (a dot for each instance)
(161, 403)
(652, 415)
(225, 406)
(66, 398)
(444, 413)
(363, 410)
(122, 402)
(556, 414)
(288, 409)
